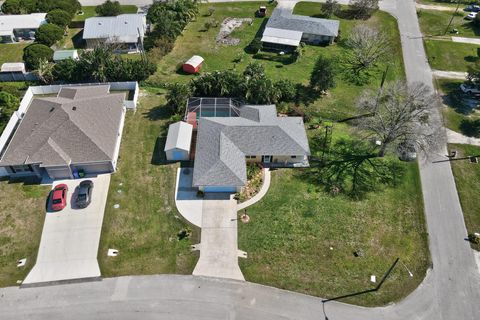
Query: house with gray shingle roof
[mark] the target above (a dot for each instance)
(58, 136)
(226, 144)
(286, 30)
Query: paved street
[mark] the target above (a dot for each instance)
(69, 244)
(450, 291)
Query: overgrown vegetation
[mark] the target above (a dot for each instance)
(109, 9)
(32, 6)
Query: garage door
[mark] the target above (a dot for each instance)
(228, 189)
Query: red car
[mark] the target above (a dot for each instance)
(59, 197)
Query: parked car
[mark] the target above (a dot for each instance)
(472, 8)
(59, 197)
(84, 194)
(471, 16)
(469, 89)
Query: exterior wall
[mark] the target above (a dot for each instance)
(9, 172)
(316, 39)
(278, 159)
(119, 140)
(118, 47)
(171, 155)
(94, 168)
(237, 188)
(62, 172)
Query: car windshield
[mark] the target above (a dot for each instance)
(56, 201)
(82, 197)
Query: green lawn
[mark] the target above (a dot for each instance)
(145, 226)
(89, 11)
(22, 211)
(12, 52)
(450, 56)
(293, 229)
(434, 23)
(467, 179)
(456, 109)
(441, 3)
(337, 104)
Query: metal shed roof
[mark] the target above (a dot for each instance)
(179, 136)
(13, 67)
(124, 28)
(280, 36)
(65, 54)
(195, 61)
(21, 21)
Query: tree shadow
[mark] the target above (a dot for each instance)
(472, 26)
(161, 112)
(471, 58)
(456, 100)
(351, 167)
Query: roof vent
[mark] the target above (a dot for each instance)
(126, 22)
(99, 23)
(74, 108)
(51, 109)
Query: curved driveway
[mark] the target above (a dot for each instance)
(450, 291)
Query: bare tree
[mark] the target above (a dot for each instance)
(400, 117)
(367, 47)
(362, 9)
(44, 71)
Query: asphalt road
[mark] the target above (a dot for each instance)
(450, 291)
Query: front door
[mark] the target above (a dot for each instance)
(266, 159)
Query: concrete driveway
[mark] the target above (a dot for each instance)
(70, 238)
(218, 247)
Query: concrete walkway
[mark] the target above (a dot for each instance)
(70, 238)
(260, 194)
(218, 246)
(186, 200)
(456, 137)
(466, 40)
(450, 74)
(436, 7)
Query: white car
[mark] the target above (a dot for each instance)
(469, 89)
(471, 16)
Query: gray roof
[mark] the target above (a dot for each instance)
(223, 143)
(284, 19)
(80, 125)
(179, 136)
(123, 28)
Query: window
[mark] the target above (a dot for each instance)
(251, 157)
(293, 157)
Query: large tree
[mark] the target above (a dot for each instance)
(323, 73)
(36, 52)
(59, 17)
(398, 116)
(109, 8)
(330, 7)
(48, 34)
(367, 46)
(363, 9)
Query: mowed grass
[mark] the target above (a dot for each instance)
(145, 226)
(467, 179)
(338, 103)
(89, 11)
(22, 212)
(455, 109)
(450, 56)
(12, 52)
(302, 238)
(435, 23)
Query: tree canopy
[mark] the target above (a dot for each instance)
(48, 34)
(323, 73)
(109, 8)
(34, 53)
(59, 17)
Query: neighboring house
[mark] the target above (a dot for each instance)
(60, 55)
(226, 143)
(14, 28)
(177, 146)
(285, 31)
(13, 67)
(77, 130)
(125, 31)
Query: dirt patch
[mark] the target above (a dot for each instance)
(227, 27)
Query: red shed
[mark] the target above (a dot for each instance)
(193, 64)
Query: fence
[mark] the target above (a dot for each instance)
(42, 90)
(18, 76)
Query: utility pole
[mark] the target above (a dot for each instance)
(453, 16)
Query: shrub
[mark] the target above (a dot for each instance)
(177, 95)
(48, 34)
(109, 9)
(287, 90)
(67, 71)
(70, 6)
(34, 53)
(59, 17)
(8, 104)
